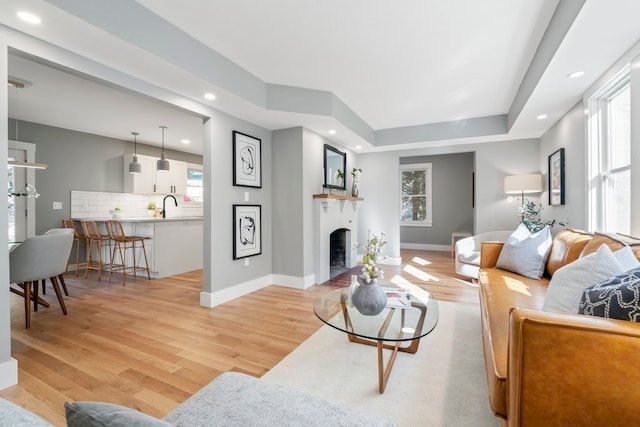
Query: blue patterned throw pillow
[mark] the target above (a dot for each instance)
(617, 297)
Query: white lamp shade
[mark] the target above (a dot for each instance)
(523, 184)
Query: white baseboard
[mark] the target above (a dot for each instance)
(211, 299)
(8, 373)
(425, 247)
(293, 281)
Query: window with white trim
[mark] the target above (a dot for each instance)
(609, 134)
(415, 191)
(194, 184)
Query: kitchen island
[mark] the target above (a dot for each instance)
(175, 244)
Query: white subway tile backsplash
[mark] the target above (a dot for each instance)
(85, 204)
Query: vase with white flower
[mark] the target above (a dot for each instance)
(355, 185)
(369, 298)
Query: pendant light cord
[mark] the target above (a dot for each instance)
(163, 128)
(135, 143)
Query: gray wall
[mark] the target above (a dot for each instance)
(568, 133)
(298, 164)
(222, 194)
(493, 161)
(77, 161)
(288, 212)
(452, 198)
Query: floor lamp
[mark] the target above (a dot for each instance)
(523, 184)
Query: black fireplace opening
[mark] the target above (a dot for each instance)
(338, 252)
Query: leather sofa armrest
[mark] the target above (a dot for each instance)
(489, 252)
(565, 369)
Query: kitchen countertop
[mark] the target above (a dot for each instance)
(143, 219)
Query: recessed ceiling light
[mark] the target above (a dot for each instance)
(358, 147)
(575, 74)
(29, 17)
(332, 131)
(541, 117)
(209, 96)
(186, 141)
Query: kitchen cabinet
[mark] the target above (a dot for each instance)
(151, 181)
(174, 181)
(141, 183)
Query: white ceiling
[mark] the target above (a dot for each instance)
(394, 64)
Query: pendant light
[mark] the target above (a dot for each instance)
(19, 84)
(162, 165)
(135, 167)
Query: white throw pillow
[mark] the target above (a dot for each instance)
(626, 258)
(525, 253)
(569, 282)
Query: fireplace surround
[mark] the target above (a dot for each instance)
(332, 214)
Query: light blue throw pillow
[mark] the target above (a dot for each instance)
(526, 253)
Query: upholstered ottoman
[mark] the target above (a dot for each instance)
(232, 399)
(16, 416)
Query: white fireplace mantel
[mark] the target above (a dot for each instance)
(333, 212)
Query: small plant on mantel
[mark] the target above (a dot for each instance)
(531, 217)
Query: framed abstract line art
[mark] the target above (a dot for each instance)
(247, 160)
(247, 231)
(556, 178)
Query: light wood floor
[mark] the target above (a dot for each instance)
(149, 345)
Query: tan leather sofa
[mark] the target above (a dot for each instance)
(546, 369)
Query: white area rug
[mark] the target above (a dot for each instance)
(443, 384)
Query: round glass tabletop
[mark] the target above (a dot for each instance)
(392, 324)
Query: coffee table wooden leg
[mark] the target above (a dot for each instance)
(383, 372)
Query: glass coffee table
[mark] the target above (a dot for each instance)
(395, 329)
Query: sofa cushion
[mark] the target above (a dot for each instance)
(567, 246)
(526, 253)
(568, 283)
(617, 297)
(100, 414)
(500, 292)
(235, 399)
(613, 241)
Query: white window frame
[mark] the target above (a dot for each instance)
(427, 167)
(598, 167)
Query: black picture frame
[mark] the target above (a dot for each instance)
(247, 231)
(247, 160)
(334, 161)
(556, 178)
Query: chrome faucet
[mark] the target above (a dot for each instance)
(164, 210)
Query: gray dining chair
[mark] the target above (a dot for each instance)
(64, 230)
(37, 258)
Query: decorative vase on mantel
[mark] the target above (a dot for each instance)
(354, 189)
(369, 298)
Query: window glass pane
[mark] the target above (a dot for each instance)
(620, 128)
(414, 182)
(414, 208)
(619, 203)
(194, 185)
